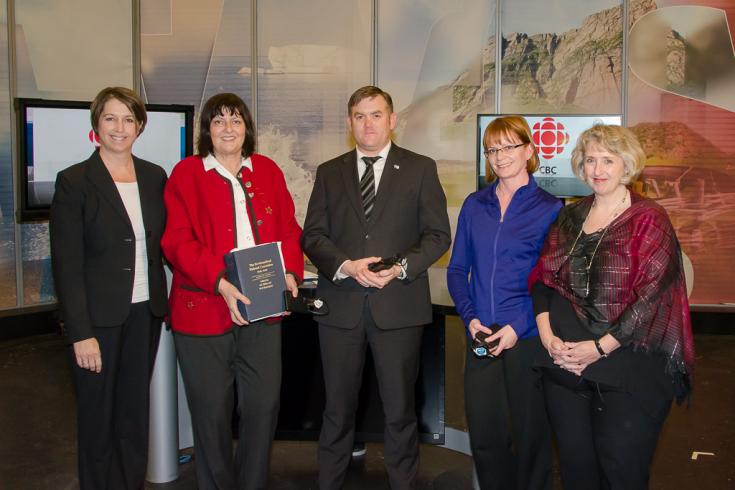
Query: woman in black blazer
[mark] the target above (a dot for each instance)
(107, 217)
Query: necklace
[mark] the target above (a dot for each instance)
(588, 263)
(504, 191)
(614, 211)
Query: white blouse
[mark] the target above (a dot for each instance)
(131, 199)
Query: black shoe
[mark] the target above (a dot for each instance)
(359, 450)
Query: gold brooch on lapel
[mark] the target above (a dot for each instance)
(268, 210)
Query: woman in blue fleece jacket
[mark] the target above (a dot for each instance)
(499, 236)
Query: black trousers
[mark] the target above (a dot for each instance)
(509, 431)
(606, 439)
(396, 354)
(249, 356)
(113, 405)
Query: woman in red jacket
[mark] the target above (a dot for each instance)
(227, 197)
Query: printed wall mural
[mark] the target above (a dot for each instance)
(566, 58)
(680, 105)
(311, 57)
(309, 62)
(685, 50)
(562, 57)
(67, 63)
(192, 49)
(556, 56)
(439, 81)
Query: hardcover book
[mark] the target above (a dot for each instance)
(259, 273)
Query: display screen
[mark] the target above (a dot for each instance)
(57, 134)
(555, 138)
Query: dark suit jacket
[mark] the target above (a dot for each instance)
(93, 245)
(409, 218)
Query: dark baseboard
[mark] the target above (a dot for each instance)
(713, 322)
(28, 324)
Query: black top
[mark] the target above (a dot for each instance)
(638, 372)
(93, 245)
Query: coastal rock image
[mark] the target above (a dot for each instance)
(577, 71)
(686, 50)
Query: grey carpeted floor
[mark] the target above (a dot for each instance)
(37, 431)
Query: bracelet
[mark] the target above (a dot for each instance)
(599, 348)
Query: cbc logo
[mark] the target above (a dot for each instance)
(94, 139)
(549, 137)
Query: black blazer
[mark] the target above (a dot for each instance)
(93, 245)
(409, 218)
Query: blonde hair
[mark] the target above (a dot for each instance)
(617, 140)
(512, 128)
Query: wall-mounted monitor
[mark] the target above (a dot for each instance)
(554, 137)
(55, 134)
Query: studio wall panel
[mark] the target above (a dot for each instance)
(192, 49)
(441, 72)
(66, 50)
(562, 56)
(311, 57)
(8, 293)
(680, 105)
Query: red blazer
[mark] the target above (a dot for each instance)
(200, 230)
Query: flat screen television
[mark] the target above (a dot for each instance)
(55, 134)
(554, 137)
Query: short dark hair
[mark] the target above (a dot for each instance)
(368, 92)
(131, 100)
(218, 105)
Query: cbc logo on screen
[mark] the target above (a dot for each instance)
(94, 139)
(550, 137)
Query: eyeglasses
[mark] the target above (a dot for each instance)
(490, 152)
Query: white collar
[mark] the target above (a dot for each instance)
(383, 153)
(210, 163)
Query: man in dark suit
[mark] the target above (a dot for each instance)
(376, 201)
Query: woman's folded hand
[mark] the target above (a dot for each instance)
(231, 296)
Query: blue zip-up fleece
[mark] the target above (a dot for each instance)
(492, 259)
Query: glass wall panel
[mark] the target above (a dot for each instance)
(66, 50)
(680, 105)
(8, 294)
(193, 49)
(562, 56)
(230, 69)
(440, 69)
(70, 50)
(38, 282)
(557, 57)
(311, 57)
